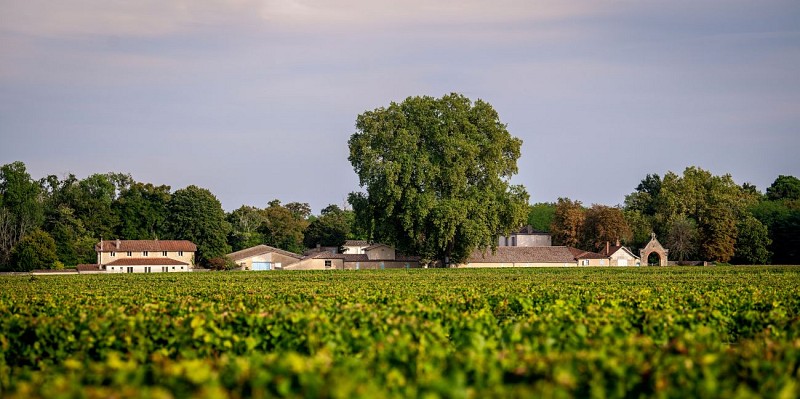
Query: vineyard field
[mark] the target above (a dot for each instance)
(449, 333)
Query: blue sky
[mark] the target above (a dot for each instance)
(255, 100)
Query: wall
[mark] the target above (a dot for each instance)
(526, 240)
(516, 264)
(316, 264)
(104, 258)
(272, 257)
(153, 269)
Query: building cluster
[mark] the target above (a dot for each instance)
(524, 248)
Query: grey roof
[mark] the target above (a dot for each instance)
(524, 255)
(260, 250)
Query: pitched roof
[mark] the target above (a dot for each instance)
(356, 243)
(260, 250)
(145, 245)
(614, 248)
(324, 255)
(581, 254)
(88, 268)
(147, 262)
(524, 254)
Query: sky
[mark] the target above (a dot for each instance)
(255, 100)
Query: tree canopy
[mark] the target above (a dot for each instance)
(196, 215)
(437, 176)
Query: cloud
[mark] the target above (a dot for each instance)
(149, 18)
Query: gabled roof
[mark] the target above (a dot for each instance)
(614, 248)
(260, 250)
(145, 245)
(147, 262)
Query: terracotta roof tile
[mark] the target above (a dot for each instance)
(145, 245)
(147, 262)
(88, 268)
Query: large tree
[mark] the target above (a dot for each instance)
(36, 250)
(142, 210)
(330, 229)
(246, 221)
(568, 221)
(196, 215)
(540, 215)
(784, 187)
(437, 176)
(283, 227)
(21, 208)
(604, 224)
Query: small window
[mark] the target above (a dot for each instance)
(327, 263)
(129, 253)
(513, 241)
(181, 267)
(173, 267)
(113, 254)
(180, 253)
(144, 253)
(164, 253)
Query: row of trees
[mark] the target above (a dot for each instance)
(54, 222)
(697, 215)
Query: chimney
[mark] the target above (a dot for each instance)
(117, 243)
(607, 248)
(618, 242)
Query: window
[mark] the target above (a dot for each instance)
(173, 267)
(144, 253)
(130, 269)
(113, 254)
(129, 253)
(165, 269)
(181, 267)
(180, 253)
(327, 264)
(513, 241)
(164, 253)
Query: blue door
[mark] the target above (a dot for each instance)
(262, 266)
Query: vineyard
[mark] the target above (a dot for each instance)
(590, 332)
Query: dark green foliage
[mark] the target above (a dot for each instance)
(21, 209)
(142, 211)
(436, 173)
(752, 243)
(36, 250)
(784, 188)
(540, 215)
(331, 229)
(196, 215)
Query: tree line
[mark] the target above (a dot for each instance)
(56, 222)
(696, 215)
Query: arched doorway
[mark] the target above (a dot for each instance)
(653, 254)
